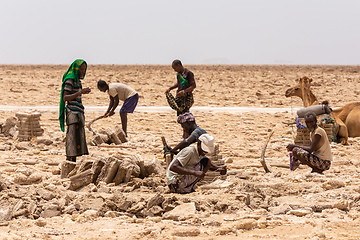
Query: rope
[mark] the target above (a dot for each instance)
(334, 137)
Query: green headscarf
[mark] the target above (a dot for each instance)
(72, 73)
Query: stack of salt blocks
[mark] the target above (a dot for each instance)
(303, 135)
(28, 125)
(215, 158)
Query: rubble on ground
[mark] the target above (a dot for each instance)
(108, 136)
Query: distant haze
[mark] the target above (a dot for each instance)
(196, 32)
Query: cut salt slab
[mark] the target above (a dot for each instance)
(183, 211)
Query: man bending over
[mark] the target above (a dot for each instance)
(120, 91)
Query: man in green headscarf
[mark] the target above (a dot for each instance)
(185, 85)
(71, 91)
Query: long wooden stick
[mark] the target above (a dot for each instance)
(271, 165)
(262, 158)
(91, 122)
(164, 141)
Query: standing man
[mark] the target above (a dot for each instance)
(185, 85)
(71, 92)
(191, 130)
(119, 91)
(190, 165)
(318, 155)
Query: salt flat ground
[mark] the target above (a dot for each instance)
(283, 204)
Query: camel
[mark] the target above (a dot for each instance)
(346, 117)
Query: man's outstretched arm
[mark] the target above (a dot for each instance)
(176, 167)
(183, 144)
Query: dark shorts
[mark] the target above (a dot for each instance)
(187, 182)
(130, 104)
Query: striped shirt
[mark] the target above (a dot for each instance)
(197, 133)
(74, 105)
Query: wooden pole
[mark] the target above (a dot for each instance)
(262, 158)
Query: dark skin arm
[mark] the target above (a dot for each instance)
(214, 167)
(316, 139)
(189, 89)
(184, 143)
(114, 102)
(172, 87)
(178, 168)
(69, 97)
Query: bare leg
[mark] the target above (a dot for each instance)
(123, 117)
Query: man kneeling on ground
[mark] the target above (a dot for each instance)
(318, 155)
(192, 131)
(190, 165)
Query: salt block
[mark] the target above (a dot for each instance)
(5, 214)
(28, 125)
(85, 165)
(9, 124)
(96, 167)
(98, 140)
(183, 211)
(137, 208)
(246, 224)
(120, 175)
(125, 205)
(186, 232)
(109, 170)
(155, 200)
(41, 222)
(86, 216)
(48, 213)
(299, 212)
(81, 179)
(113, 137)
(333, 184)
(66, 167)
(156, 210)
(342, 205)
(121, 134)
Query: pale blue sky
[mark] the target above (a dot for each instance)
(195, 31)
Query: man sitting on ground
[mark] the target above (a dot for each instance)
(192, 132)
(190, 165)
(318, 155)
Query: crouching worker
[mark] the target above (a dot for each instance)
(190, 165)
(192, 132)
(318, 155)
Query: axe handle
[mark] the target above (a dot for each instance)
(166, 147)
(92, 121)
